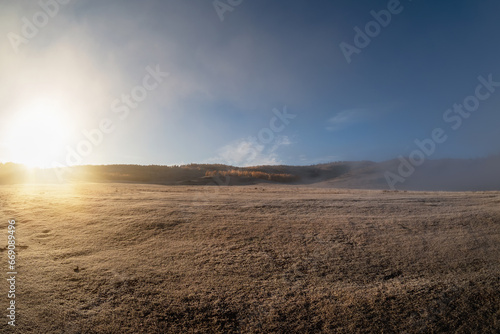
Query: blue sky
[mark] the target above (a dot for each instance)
(225, 78)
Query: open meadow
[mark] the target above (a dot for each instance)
(130, 258)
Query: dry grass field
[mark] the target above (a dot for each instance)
(128, 258)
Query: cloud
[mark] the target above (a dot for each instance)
(249, 152)
(346, 118)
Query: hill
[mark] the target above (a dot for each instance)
(444, 174)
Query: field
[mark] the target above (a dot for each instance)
(129, 258)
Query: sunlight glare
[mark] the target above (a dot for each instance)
(37, 135)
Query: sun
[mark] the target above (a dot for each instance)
(37, 135)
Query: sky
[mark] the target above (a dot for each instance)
(246, 82)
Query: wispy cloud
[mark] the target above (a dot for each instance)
(249, 152)
(348, 117)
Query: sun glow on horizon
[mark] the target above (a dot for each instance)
(36, 136)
